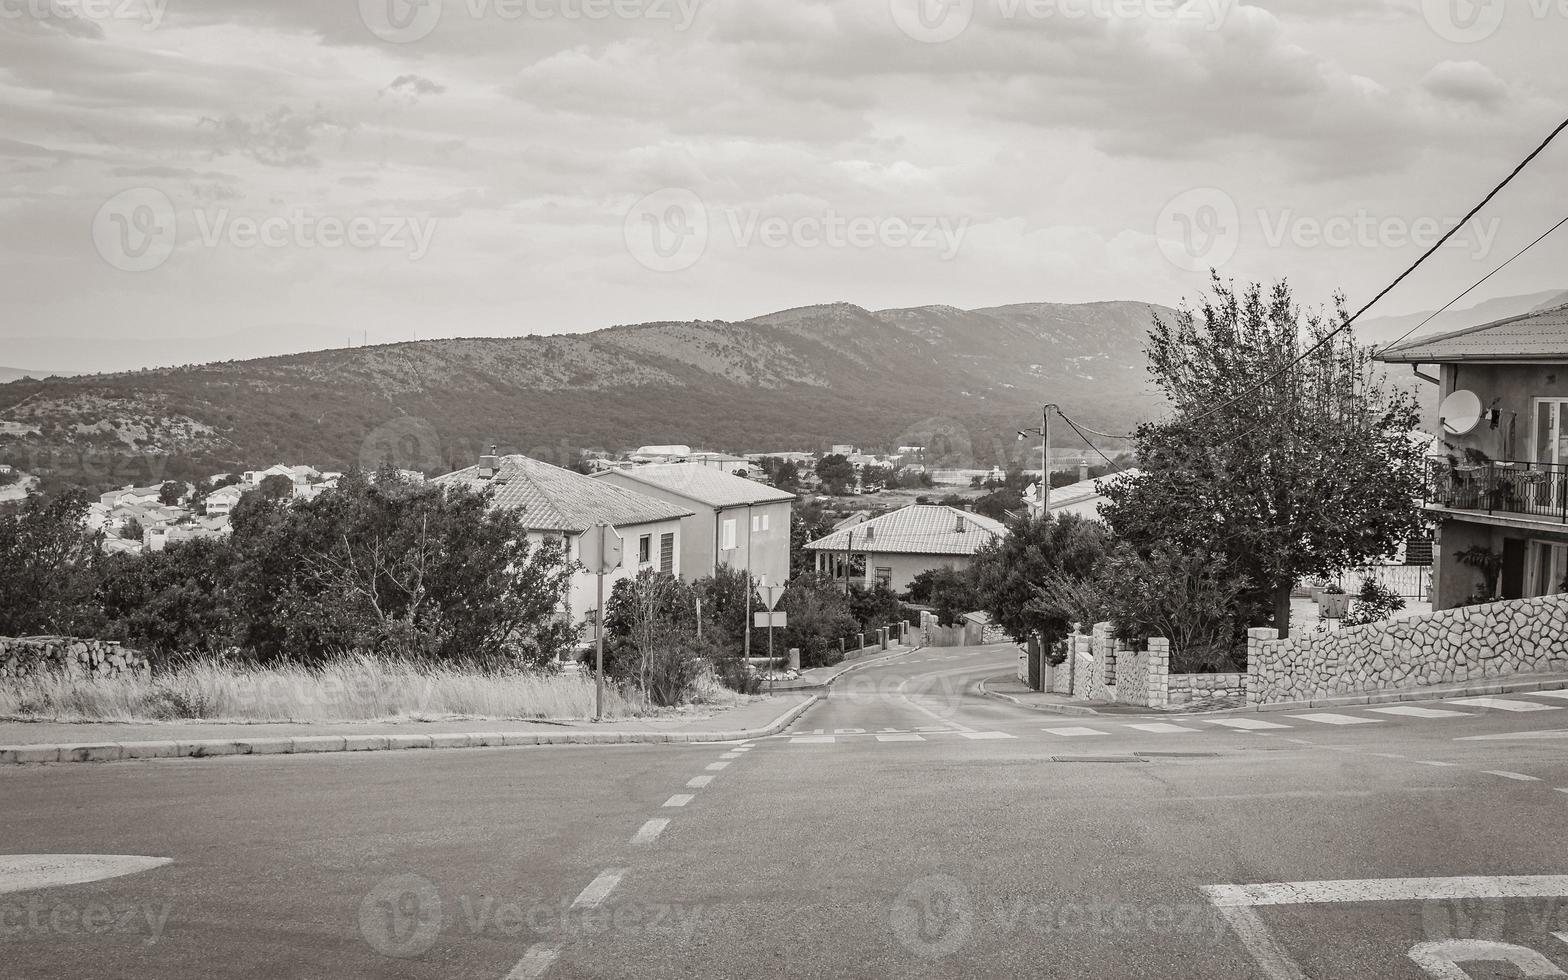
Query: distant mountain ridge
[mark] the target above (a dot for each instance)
(958, 381)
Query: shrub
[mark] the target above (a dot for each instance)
(1374, 603)
(1179, 596)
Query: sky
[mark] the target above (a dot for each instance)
(303, 172)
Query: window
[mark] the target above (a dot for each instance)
(667, 553)
(1548, 569)
(727, 535)
(884, 578)
(645, 549)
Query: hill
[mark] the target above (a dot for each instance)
(960, 381)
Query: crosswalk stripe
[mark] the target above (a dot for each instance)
(986, 735)
(1072, 732)
(1160, 727)
(1414, 712)
(1245, 724)
(1329, 718)
(901, 738)
(1504, 704)
(1549, 694)
(812, 740)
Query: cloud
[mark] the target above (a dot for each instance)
(1465, 82)
(278, 138)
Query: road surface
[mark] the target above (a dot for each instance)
(905, 827)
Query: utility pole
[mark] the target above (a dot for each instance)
(1045, 460)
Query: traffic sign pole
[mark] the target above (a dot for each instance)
(598, 657)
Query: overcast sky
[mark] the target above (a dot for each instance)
(315, 168)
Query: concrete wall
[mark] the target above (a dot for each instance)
(1518, 385)
(1492, 640)
(31, 655)
(583, 595)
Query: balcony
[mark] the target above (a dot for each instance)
(1530, 491)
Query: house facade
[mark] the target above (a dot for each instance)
(893, 549)
(1083, 498)
(560, 505)
(221, 501)
(734, 521)
(1497, 487)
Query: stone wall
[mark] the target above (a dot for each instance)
(1492, 640)
(1191, 688)
(28, 655)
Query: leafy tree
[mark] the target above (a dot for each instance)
(1185, 597)
(1005, 574)
(836, 473)
(171, 493)
(949, 592)
(175, 601)
(48, 567)
(276, 487)
(132, 530)
(1374, 603)
(1278, 470)
(808, 522)
(782, 473)
(819, 616)
(875, 607)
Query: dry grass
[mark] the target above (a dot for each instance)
(352, 688)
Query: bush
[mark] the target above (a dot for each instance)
(1181, 597)
(1373, 604)
(819, 617)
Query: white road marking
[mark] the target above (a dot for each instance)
(986, 735)
(698, 782)
(901, 738)
(26, 872)
(743, 748)
(1329, 718)
(1549, 694)
(679, 799)
(535, 962)
(1072, 732)
(1504, 704)
(1414, 712)
(1301, 741)
(1159, 727)
(1507, 736)
(599, 889)
(1386, 755)
(730, 755)
(1512, 775)
(928, 712)
(716, 766)
(1560, 789)
(1433, 762)
(812, 740)
(1245, 724)
(849, 731)
(650, 831)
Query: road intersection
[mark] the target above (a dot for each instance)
(904, 827)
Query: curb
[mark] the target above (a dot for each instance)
(1470, 689)
(304, 744)
(1050, 709)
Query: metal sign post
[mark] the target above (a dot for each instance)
(601, 552)
(770, 597)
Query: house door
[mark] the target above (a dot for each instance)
(1548, 568)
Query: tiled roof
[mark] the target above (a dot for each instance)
(1531, 337)
(556, 499)
(704, 484)
(919, 529)
(1077, 493)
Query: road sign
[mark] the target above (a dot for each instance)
(770, 595)
(601, 550)
(768, 620)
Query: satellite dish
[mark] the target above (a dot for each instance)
(1460, 412)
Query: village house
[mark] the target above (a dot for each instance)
(734, 521)
(893, 549)
(558, 504)
(1082, 499)
(131, 496)
(220, 503)
(1498, 469)
(724, 462)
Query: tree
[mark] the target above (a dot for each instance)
(809, 521)
(1277, 469)
(276, 487)
(171, 493)
(836, 473)
(170, 602)
(818, 615)
(48, 567)
(132, 530)
(782, 473)
(950, 593)
(1006, 574)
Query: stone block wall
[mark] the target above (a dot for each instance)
(1192, 688)
(1456, 645)
(29, 655)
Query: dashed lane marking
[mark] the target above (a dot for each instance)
(1072, 732)
(1512, 775)
(679, 799)
(911, 737)
(650, 831)
(1246, 724)
(599, 889)
(986, 735)
(717, 766)
(1329, 718)
(535, 962)
(1408, 711)
(1434, 762)
(698, 782)
(1505, 704)
(1160, 727)
(812, 740)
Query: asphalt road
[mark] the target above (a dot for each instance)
(906, 827)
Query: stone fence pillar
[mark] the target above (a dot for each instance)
(1158, 686)
(1255, 640)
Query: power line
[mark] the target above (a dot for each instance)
(1478, 283)
(1089, 442)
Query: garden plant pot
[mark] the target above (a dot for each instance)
(1334, 606)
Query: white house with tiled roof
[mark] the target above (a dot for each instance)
(893, 549)
(1498, 469)
(561, 504)
(735, 521)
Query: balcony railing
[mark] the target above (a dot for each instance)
(1535, 490)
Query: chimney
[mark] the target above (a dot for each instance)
(871, 534)
(488, 464)
(960, 528)
(1083, 471)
